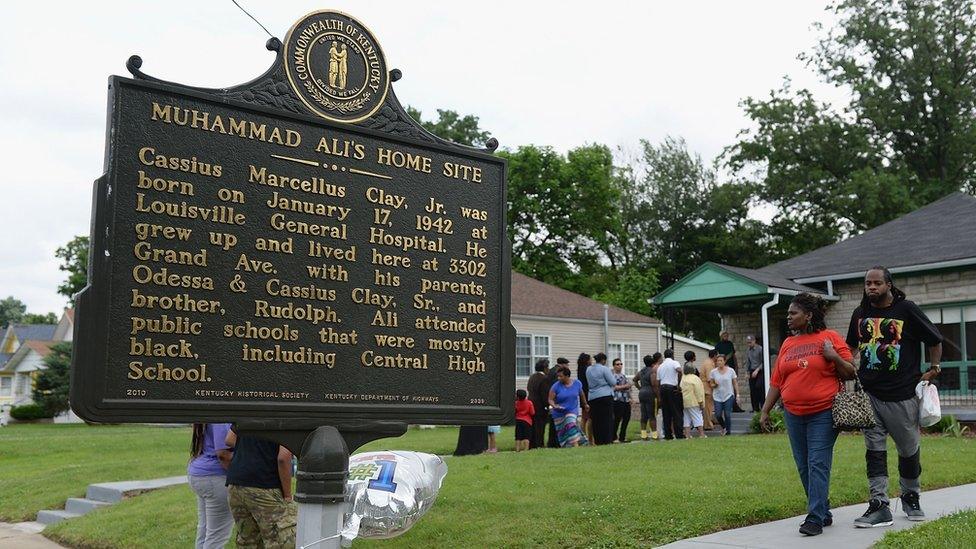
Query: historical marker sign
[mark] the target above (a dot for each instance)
(251, 262)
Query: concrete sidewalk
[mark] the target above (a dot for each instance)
(843, 534)
(24, 535)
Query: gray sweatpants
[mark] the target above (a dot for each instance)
(900, 420)
(214, 520)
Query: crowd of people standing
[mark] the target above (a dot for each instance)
(595, 407)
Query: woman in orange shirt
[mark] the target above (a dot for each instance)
(808, 371)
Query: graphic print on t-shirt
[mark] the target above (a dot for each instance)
(880, 342)
(800, 353)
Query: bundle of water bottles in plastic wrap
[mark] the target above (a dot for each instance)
(389, 492)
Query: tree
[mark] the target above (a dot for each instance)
(12, 310)
(74, 261)
(563, 215)
(453, 127)
(907, 137)
(676, 216)
(632, 290)
(51, 384)
(37, 318)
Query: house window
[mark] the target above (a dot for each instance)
(629, 353)
(957, 324)
(23, 386)
(948, 321)
(529, 348)
(6, 386)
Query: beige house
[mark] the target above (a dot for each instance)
(551, 322)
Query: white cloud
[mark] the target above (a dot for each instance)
(554, 73)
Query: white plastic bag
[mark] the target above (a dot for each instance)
(389, 492)
(929, 408)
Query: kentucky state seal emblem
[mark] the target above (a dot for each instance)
(336, 66)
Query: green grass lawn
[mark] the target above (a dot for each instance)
(43, 465)
(958, 530)
(611, 496)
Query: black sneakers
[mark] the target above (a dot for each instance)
(810, 528)
(878, 514)
(909, 502)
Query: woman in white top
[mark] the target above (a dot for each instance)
(725, 393)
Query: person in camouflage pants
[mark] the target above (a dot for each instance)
(263, 517)
(260, 493)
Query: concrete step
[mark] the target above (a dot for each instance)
(114, 492)
(83, 506)
(54, 516)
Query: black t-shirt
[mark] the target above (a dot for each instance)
(726, 348)
(889, 343)
(255, 463)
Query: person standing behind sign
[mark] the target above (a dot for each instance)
(537, 389)
(259, 490)
(209, 458)
(582, 364)
(600, 396)
(704, 373)
(565, 399)
(553, 440)
(524, 413)
(672, 407)
(724, 393)
(646, 381)
(621, 401)
(754, 365)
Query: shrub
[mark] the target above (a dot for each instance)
(777, 423)
(943, 425)
(29, 412)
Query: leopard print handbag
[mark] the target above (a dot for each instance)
(852, 410)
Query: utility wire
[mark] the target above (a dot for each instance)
(252, 17)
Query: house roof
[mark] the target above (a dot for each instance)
(939, 232)
(41, 332)
(42, 348)
(70, 313)
(4, 358)
(769, 279)
(532, 297)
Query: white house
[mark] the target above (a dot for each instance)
(551, 322)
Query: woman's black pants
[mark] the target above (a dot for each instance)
(601, 414)
(672, 409)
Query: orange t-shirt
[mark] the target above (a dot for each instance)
(806, 380)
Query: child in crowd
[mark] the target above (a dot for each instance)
(492, 431)
(524, 411)
(693, 397)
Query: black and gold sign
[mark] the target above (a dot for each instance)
(336, 66)
(252, 260)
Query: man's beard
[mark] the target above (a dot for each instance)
(875, 298)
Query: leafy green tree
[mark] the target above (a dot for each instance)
(12, 310)
(632, 289)
(51, 384)
(37, 318)
(907, 137)
(676, 216)
(453, 127)
(563, 215)
(74, 261)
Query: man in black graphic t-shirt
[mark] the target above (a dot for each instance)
(887, 332)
